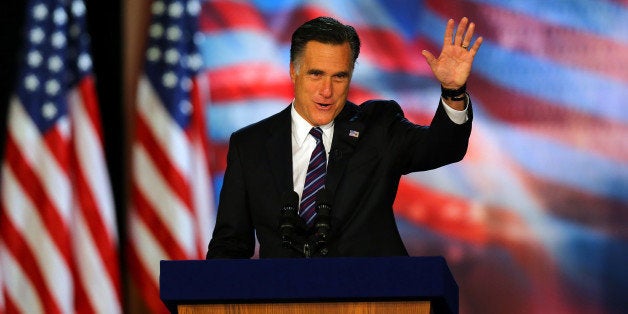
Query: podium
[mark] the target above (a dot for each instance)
(314, 285)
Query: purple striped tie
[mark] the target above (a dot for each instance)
(315, 178)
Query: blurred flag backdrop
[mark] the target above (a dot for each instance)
(59, 238)
(535, 218)
(170, 214)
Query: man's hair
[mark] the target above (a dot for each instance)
(325, 30)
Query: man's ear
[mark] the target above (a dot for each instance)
(293, 73)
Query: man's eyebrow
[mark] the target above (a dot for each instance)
(315, 71)
(337, 74)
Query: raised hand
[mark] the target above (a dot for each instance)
(453, 65)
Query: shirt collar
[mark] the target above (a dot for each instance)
(301, 128)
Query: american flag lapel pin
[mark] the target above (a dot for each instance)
(354, 133)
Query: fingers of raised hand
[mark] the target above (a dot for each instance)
(468, 35)
(460, 32)
(463, 36)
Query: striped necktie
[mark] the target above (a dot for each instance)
(314, 179)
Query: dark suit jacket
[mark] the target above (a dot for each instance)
(363, 174)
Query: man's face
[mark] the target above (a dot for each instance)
(321, 78)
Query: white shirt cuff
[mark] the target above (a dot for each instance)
(457, 116)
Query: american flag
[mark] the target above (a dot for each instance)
(171, 209)
(58, 251)
(534, 219)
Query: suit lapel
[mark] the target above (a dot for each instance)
(347, 130)
(279, 151)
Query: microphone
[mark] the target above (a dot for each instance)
(289, 217)
(322, 225)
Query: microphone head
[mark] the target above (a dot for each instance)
(323, 209)
(290, 199)
(288, 217)
(324, 197)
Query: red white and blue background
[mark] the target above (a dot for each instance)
(533, 220)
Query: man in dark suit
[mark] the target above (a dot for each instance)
(367, 149)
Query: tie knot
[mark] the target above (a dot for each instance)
(317, 133)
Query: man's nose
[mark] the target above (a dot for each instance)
(326, 89)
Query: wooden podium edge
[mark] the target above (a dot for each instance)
(340, 307)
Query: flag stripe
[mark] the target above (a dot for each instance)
(31, 276)
(531, 113)
(245, 84)
(144, 263)
(553, 168)
(591, 15)
(97, 279)
(55, 225)
(236, 15)
(167, 207)
(202, 194)
(163, 128)
(34, 295)
(166, 239)
(38, 249)
(35, 158)
(574, 205)
(247, 45)
(175, 180)
(92, 173)
(56, 143)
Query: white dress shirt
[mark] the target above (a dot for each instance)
(302, 146)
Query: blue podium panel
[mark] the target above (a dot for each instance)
(306, 280)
